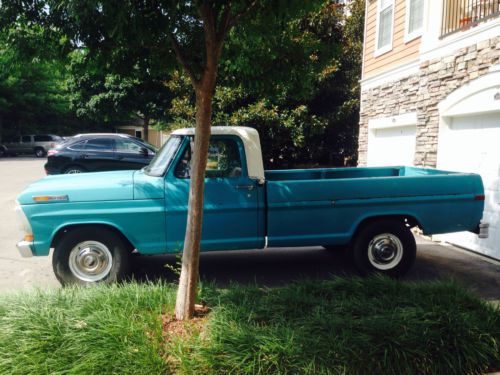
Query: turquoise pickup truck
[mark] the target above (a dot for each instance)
(94, 221)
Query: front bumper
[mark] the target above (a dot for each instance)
(25, 248)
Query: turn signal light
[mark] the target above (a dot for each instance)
(28, 237)
(51, 198)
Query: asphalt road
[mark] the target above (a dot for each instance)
(269, 267)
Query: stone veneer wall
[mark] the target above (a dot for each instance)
(422, 92)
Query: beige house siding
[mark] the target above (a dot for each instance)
(401, 52)
(156, 137)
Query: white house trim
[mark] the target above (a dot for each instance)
(416, 33)
(433, 46)
(453, 105)
(364, 42)
(406, 119)
(380, 51)
(391, 75)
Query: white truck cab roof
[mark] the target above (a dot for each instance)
(251, 143)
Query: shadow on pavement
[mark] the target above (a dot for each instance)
(268, 267)
(279, 266)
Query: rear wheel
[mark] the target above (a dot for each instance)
(387, 247)
(74, 169)
(39, 152)
(89, 255)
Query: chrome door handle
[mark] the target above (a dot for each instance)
(247, 187)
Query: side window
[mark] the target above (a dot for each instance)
(42, 138)
(224, 160)
(99, 144)
(26, 139)
(80, 146)
(127, 146)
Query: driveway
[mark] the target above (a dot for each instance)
(269, 267)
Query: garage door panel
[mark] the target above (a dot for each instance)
(472, 144)
(392, 146)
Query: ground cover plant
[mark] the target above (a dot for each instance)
(342, 325)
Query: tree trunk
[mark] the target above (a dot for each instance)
(204, 89)
(145, 129)
(186, 294)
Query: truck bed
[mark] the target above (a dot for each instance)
(349, 173)
(330, 203)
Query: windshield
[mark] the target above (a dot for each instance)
(160, 162)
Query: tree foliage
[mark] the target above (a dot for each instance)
(309, 121)
(106, 95)
(33, 87)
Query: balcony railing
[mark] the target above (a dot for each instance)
(461, 14)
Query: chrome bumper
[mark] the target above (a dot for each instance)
(484, 231)
(24, 248)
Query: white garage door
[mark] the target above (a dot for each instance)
(392, 146)
(472, 144)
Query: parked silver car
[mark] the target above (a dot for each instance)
(37, 144)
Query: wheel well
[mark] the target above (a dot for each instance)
(63, 231)
(406, 220)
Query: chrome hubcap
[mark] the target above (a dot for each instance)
(90, 261)
(385, 251)
(73, 171)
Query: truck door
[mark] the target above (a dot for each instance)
(234, 204)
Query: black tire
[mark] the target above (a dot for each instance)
(74, 169)
(387, 247)
(39, 152)
(73, 264)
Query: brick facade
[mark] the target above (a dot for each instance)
(422, 93)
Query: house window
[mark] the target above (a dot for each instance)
(385, 19)
(414, 19)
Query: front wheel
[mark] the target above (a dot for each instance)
(90, 255)
(386, 247)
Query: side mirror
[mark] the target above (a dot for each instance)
(144, 151)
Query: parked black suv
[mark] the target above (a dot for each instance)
(99, 152)
(37, 144)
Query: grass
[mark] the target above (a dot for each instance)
(101, 330)
(339, 326)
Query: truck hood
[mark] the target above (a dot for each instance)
(84, 187)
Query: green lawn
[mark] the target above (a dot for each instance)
(344, 325)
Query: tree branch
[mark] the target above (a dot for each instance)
(181, 58)
(234, 20)
(224, 23)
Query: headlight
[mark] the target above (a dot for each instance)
(24, 223)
